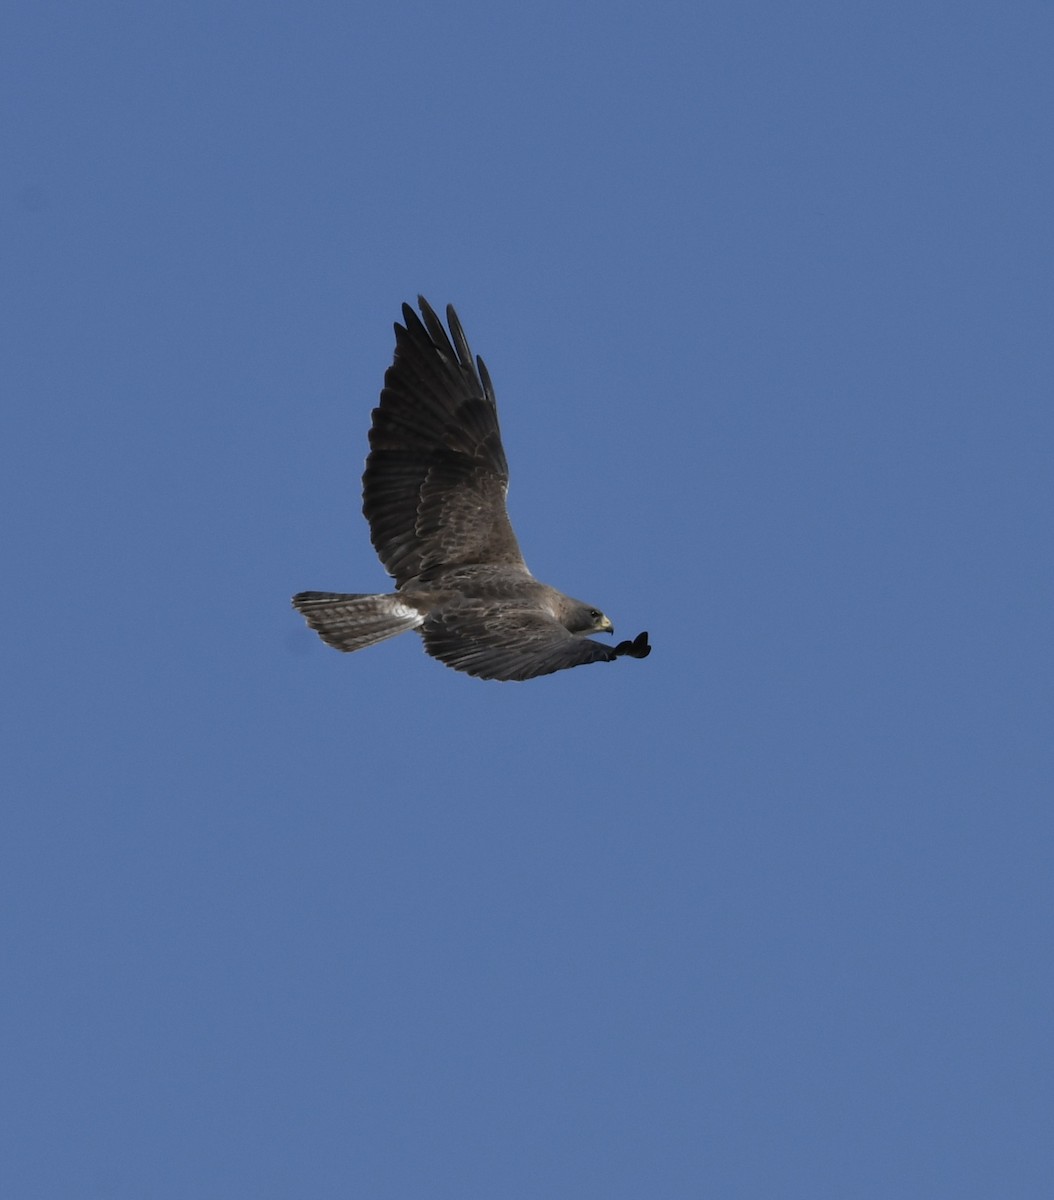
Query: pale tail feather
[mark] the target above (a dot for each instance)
(349, 622)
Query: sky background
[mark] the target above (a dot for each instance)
(767, 293)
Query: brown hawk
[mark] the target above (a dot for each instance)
(434, 495)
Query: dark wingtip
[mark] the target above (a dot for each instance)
(637, 648)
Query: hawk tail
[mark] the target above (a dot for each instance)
(350, 622)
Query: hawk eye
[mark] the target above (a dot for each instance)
(595, 614)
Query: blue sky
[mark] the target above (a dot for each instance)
(766, 293)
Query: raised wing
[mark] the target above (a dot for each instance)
(436, 476)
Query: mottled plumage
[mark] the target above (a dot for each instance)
(434, 495)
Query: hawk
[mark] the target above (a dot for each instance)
(434, 495)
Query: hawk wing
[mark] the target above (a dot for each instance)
(494, 641)
(436, 476)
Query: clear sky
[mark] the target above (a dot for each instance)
(767, 293)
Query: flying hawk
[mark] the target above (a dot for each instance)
(434, 495)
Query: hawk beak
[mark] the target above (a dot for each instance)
(605, 626)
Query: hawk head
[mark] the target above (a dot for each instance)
(577, 617)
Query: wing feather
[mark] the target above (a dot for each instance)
(495, 641)
(436, 475)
